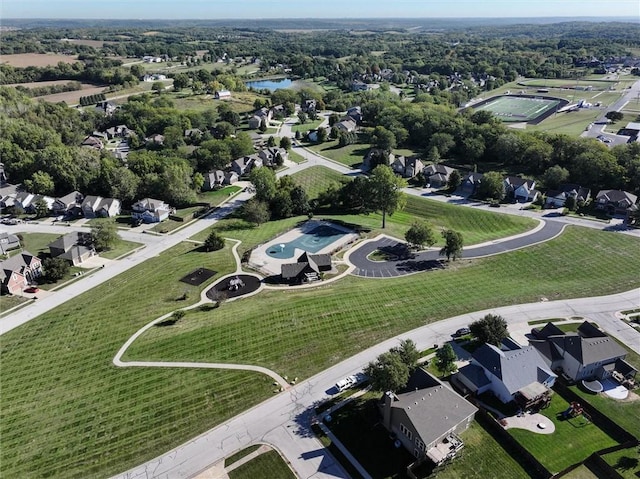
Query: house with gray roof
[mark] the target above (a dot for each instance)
(615, 202)
(99, 207)
(75, 247)
(518, 374)
(437, 175)
(426, 417)
(149, 210)
(470, 183)
(17, 272)
(407, 167)
(8, 242)
(68, 205)
(557, 198)
(521, 189)
(585, 354)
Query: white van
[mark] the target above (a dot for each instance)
(346, 383)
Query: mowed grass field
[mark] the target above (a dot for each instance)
(23, 60)
(513, 108)
(67, 411)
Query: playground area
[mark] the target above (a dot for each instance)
(198, 276)
(233, 287)
(521, 108)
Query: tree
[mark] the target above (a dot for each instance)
(54, 269)
(452, 244)
(614, 116)
(180, 81)
(491, 186)
(264, 181)
(157, 87)
(104, 234)
(408, 353)
(214, 241)
(383, 139)
(388, 372)
(420, 234)
(446, 359)
(271, 141)
(570, 203)
(42, 209)
(40, 183)
(454, 180)
(299, 200)
(256, 212)
(553, 177)
(302, 117)
(491, 329)
(285, 142)
(322, 135)
(263, 126)
(385, 191)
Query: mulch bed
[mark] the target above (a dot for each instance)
(251, 284)
(199, 276)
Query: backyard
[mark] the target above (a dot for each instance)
(91, 419)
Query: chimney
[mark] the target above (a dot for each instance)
(386, 413)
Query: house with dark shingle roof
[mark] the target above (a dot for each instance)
(149, 210)
(470, 183)
(307, 268)
(521, 189)
(615, 202)
(518, 374)
(17, 272)
(75, 247)
(437, 175)
(585, 354)
(426, 417)
(557, 198)
(8, 242)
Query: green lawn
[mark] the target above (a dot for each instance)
(316, 179)
(122, 247)
(295, 157)
(350, 155)
(7, 302)
(269, 464)
(240, 454)
(36, 243)
(626, 462)
(572, 441)
(309, 125)
(215, 197)
(367, 311)
(67, 411)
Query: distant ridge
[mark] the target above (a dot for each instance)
(374, 24)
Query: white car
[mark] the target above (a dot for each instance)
(346, 383)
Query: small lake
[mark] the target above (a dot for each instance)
(270, 85)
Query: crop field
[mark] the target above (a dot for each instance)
(73, 97)
(513, 108)
(23, 60)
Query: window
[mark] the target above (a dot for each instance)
(419, 444)
(405, 431)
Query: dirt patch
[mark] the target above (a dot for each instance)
(199, 276)
(73, 97)
(23, 60)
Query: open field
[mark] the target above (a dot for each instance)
(36, 84)
(350, 155)
(568, 122)
(568, 83)
(240, 102)
(316, 179)
(304, 127)
(83, 41)
(73, 97)
(573, 440)
(23, 60)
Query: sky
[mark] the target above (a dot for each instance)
(255, 9)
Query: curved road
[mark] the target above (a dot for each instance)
(408, 263)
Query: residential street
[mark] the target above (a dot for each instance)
(284, 421)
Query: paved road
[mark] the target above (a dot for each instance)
(284, 421)
(408, 262)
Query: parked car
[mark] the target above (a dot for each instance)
(346, 383)
(31, 289)
(462, 332)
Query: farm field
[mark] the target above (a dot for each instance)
(116, 418)
(73, 97)
(36, 84)
(83, 41)
(22, 60)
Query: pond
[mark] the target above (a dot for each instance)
(270, 85)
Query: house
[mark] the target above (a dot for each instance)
(347, 126)
(270, 155)
(263, 114)
(31, 207)
(557, 198)
(99, 207)
(17, 272)
(375, 157)
(244, 165)
(154, 77)
(119, 131)
(149, 210)
(307, 268)
(359, 85)
(470, 184)
(355, 113)
(222, 95)
(518, 374)
(308, 105)
(407, 167)
(68, 205)
(108, 108)
(437, 176)
(93, 142)
(615, 202)
(156, 139)
(520, 189)
(426, 417)
(213, 179)
(8, 242)
(75, 247)
(23, 199)
(585, 354)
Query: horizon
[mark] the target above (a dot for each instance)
(229, 10)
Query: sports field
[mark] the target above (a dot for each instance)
(514, 108)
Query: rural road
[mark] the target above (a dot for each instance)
(284, 421)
